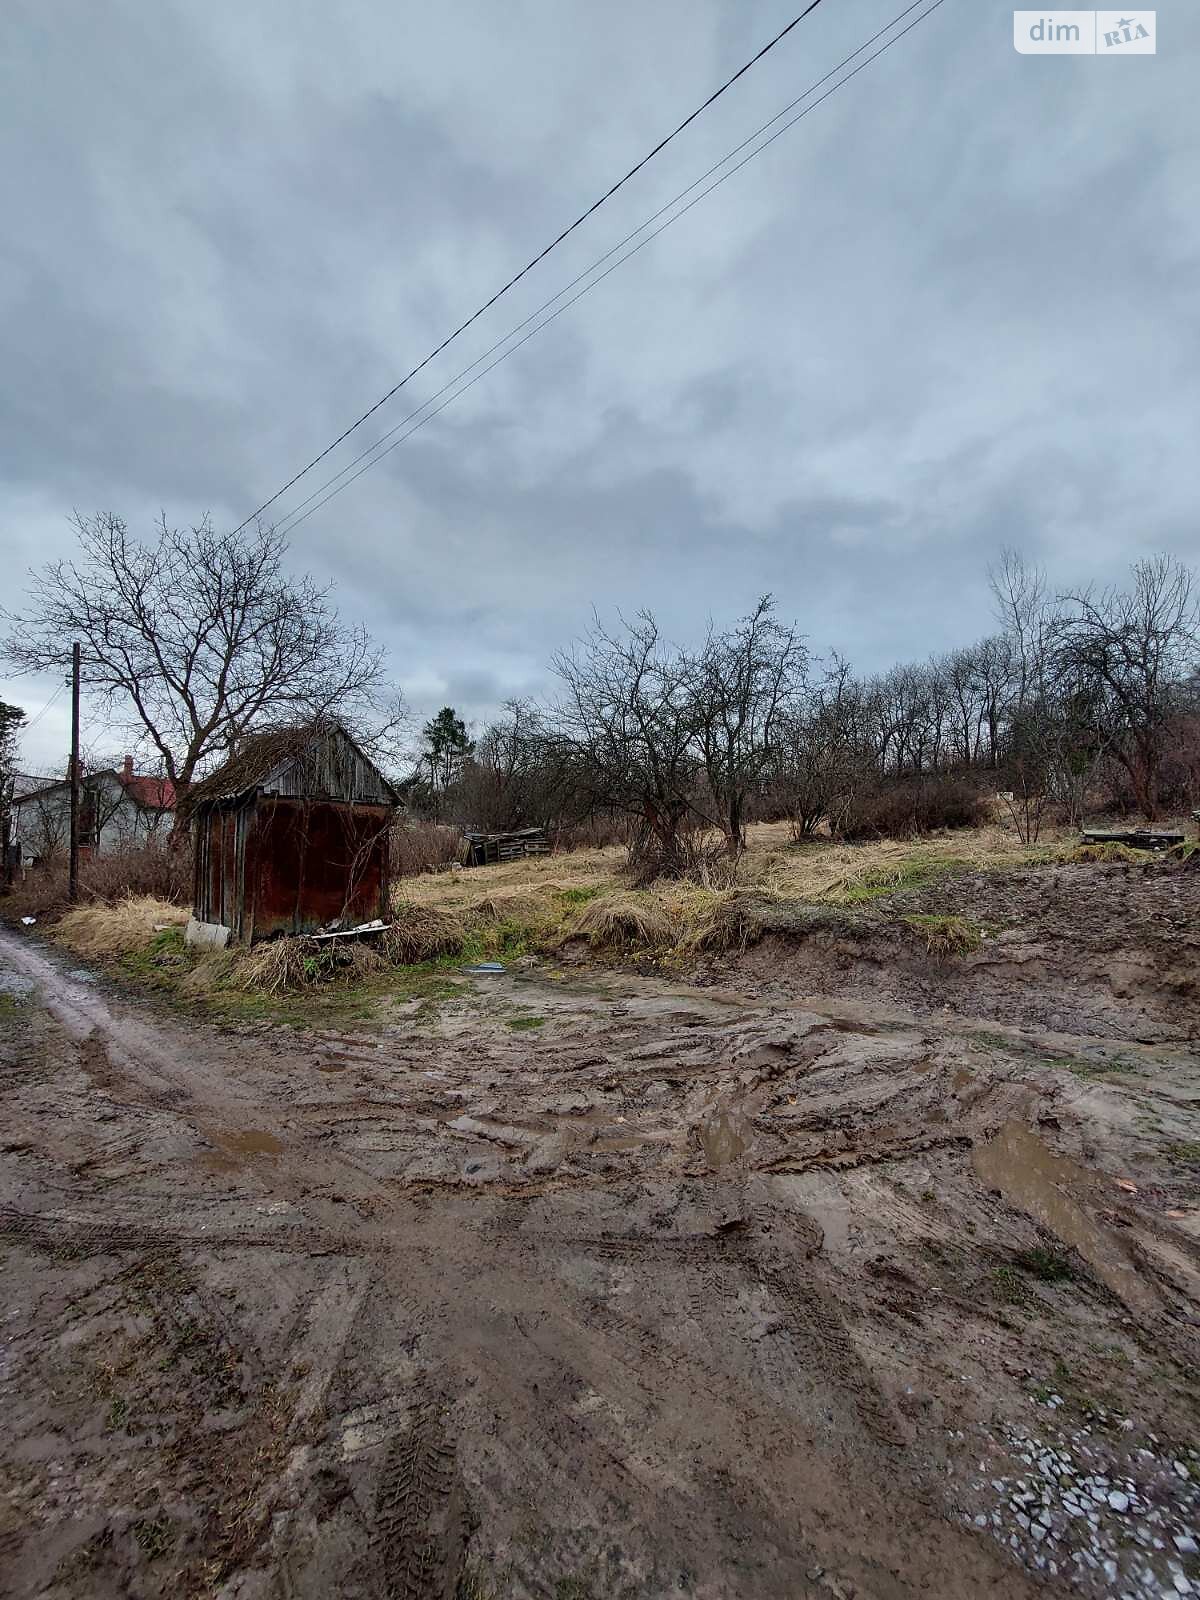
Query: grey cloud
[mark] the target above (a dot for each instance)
(956, 307)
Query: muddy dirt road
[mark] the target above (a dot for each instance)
(588, 1288)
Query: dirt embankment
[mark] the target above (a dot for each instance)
(582, 1285)
(1110, 950)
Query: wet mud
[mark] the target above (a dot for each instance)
(681, 1293)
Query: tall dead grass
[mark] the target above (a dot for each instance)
(422, 933)
(627, 921)
(105, 932)
(418, 847)
(150, 870)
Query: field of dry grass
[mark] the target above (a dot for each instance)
(819, 872)
(536, 905)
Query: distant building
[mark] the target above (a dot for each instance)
(117, 810)
(292, 834)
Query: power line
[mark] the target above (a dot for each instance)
(292, 520)
(541, 256)
(33, 721)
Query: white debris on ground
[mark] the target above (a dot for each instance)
(1114, 1518)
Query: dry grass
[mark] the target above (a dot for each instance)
(1110, 850)
(628, 920)
(508, 906)
(730, 921)
(422, 933)
(536, 893)
(105, 932)
(539, 877)
(279, 965)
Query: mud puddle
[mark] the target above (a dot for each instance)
(724, 1138)
(1051, 1189)
(248, 1142)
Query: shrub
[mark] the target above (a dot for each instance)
(150, 869)
(910, 806)
(424, 847)
(593, 833)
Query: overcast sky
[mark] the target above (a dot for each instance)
(956, 307)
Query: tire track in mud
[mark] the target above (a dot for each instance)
(419, 1529)
(808, 1308)
(817, 1324)
(858, 1155)
(81, 1236)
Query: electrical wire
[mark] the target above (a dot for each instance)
(291, 518)
(293, 521)
(33, 721)
(541, 256)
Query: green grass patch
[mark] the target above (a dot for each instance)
(1090, 1071)
(1048, 1266)
(1009, 1286)
(1186, 1150)
(523, 1024)
(945, 935)
(154, 1538)
(580, 897)
(9, 1004)
(913, 872)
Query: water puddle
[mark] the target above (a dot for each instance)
(1049, 1188)
(248, 1142)
(723, 1138)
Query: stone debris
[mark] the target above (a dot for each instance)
(1113, 1519)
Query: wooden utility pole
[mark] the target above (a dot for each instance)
(73, 885)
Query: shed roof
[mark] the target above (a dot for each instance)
(309, 760)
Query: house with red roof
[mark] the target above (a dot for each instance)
(117, 811)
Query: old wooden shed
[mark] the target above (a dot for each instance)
(292, 834)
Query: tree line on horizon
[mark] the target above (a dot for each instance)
(1082, 699)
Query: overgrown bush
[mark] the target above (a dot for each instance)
(907, 807)
(424, 847)
(152, 870)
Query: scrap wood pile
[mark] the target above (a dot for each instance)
(485, 848)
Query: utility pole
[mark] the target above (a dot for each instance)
(73, 886)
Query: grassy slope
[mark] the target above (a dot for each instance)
(513, 909)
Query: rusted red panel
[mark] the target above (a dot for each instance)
(313, 862)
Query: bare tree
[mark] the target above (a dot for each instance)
(625, 725)
(195, 637)
(517, 773)
(821, 761)
(1141, 644)
(741, 680)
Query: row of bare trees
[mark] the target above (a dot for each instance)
(1083, 698)
(195, 637)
